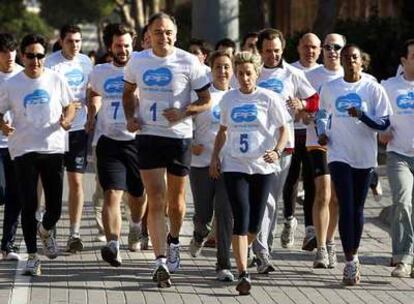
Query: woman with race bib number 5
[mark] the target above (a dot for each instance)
(253, 122)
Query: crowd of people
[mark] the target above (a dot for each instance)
(243, 126)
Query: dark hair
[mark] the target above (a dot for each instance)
(115, 29)
(405, 46)
(249, 35)
(226, 42)
(144, 31)
(351, 45)
(56, 46)
(202, 44)
(32, 39)
(69, 28)
(7, 42)
(161, 15)
(270, 34)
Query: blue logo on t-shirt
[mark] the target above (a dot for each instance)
(216, 113)
(114, 85)
(75, 78)
(343, 103)
(159, 77)
(406, 101)
(245, 113)
(273, 84)
(37, 97)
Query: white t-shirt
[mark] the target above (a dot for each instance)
(76, 72)
(165, 82)
(350, 140)
(299, 66)
(4, 77)
(252, 121)
(317, 79)
(107, 80)
(36, 107)
(287, 81)
(401, 94)
(206, 126)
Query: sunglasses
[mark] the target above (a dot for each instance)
(32, 56)
(330, 47)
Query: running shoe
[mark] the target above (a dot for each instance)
(287, 237)
(196, 247)
(225, 275)
(321, 258)
(161, 275)
(263, 263)
(32, 267)
(352, 274)
(50, 248)
(309, 241)
(331, 248)
(244, 284)
(401, 271)
(134, 236)
(74, 244)
(173, 257)
(11, 255)
(110, 254)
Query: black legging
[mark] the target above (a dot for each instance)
(248, 194)
(300, 158)
(50, 168)
(351, 186)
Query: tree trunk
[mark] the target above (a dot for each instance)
(170, 7)
(325, 18)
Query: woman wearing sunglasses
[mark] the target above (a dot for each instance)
(253, 122)
(358, 108)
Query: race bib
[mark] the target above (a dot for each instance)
(247, 144)
(152, 113)
(115, 112)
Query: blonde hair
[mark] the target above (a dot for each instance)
(248, 57)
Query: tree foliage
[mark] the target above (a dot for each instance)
(59, 13)
(14, 18)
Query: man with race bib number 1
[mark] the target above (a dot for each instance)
(165, 77)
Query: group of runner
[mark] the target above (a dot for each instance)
(242, 127)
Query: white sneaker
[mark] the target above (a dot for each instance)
(50, 248)
(331, 248)
(134, 236)
(321, 258)
(264, 265)
(173, 257)
(161, 274)
(287, 237)
(110, 253)
(225, 275)
(32, 267)
(11, 255)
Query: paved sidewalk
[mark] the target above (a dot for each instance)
(85, 279)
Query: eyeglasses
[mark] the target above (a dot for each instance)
(32, 56)
(330, 47)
